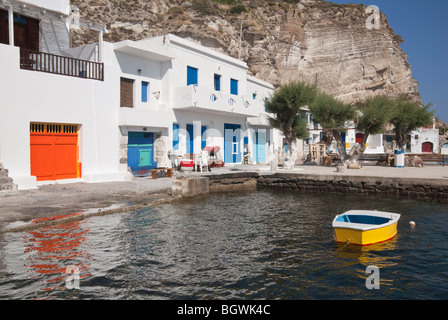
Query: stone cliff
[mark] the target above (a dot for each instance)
(311, 40)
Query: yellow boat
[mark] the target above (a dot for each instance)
(362, 227)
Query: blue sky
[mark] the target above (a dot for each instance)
(424, 27)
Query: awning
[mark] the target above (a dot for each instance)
(211, 148)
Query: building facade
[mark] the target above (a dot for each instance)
(110, 111)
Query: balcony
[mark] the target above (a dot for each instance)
(196, 98)
(51, 63)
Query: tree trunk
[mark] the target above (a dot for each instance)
(291, 157)
(340, 144)
(361, 148)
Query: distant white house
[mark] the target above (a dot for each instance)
(106, 111)
(424, 140)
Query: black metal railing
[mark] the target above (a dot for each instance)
(67, 66)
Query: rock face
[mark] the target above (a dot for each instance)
(312, 40)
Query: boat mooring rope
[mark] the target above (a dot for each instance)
(346, 244)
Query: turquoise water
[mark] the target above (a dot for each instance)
(256, 245)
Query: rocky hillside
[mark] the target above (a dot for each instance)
(312, 40)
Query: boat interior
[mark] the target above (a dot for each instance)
(363, 219)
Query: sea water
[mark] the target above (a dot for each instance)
(254, 245)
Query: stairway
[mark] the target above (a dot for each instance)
(6, 183)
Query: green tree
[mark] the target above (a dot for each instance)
(333, 115)
(373, 115)
(285, 105)
(407, 117)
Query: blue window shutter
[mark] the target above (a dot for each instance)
(217, 82)
(192, 75)
(203, 137)
(234, 86)
(145, 86)
(175, 136)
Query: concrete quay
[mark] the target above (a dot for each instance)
(23, 206)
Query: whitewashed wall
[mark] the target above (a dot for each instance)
(56, 5)
(29, 96)
(420, 136)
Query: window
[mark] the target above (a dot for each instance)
(192, 75)
(234, 147)
(26, 31)
(145, 86)
(254, 95)
(175, 136)
(126, 93)
(234, 86)
(217, 82)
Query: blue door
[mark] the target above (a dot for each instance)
(175, 136)
(260, 146)
(141, 152)
(190, 145)
(203, 137)
(232, 137)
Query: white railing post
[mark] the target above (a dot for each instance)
(11, 25)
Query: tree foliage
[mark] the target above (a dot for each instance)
(286, 106)
(333, 116)
(374, 114)
(407, 117)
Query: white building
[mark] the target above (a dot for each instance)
(97, 112)
(49, 128)
(424, 140)
(201, 97)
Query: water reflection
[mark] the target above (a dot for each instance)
(381, 254)
(52, 249)
(41, 257)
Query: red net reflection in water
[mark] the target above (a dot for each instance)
(51, 250)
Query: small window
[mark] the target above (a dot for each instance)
(192, 75)
(145, 86)
(254, 95)
(217, 82)
(234, 86)
(234, 147)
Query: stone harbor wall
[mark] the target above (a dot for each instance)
(233, 181)
(402, 187)
(186, 185)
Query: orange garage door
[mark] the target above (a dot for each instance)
(54, 151)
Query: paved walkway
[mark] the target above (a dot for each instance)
(57, 199)
(61, 198)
